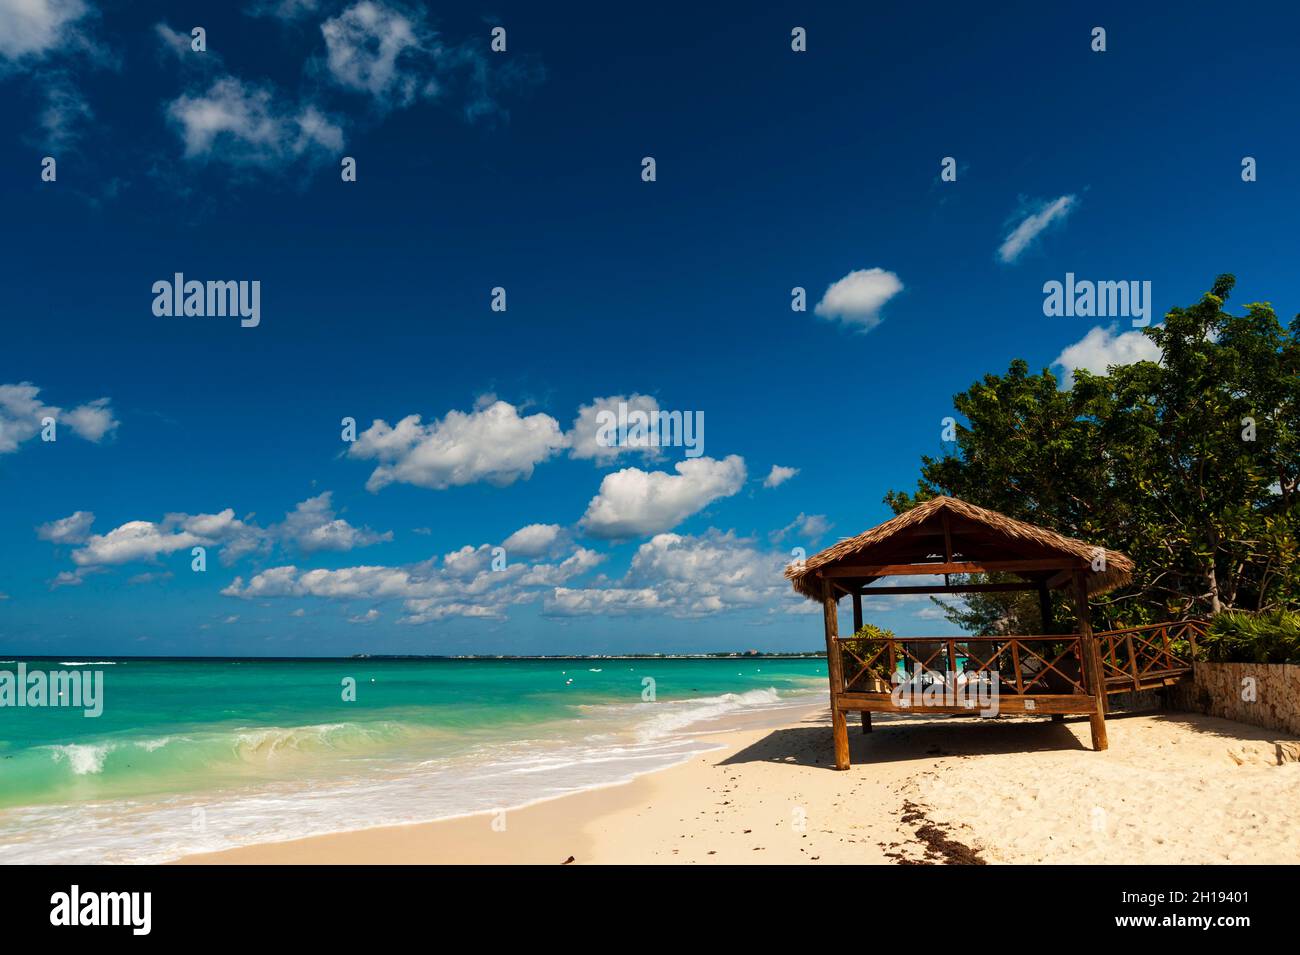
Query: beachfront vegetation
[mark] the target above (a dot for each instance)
(1190, 465)
(1236, 636)
(861, 642)
(861, 646)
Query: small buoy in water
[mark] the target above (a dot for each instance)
(568, 681)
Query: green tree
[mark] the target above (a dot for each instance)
(1189, 465)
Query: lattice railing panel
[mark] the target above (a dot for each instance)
(1021, 664)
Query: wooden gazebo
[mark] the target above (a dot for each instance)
(1047, 674)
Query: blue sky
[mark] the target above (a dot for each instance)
(523, 170)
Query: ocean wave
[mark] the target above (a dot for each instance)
(269, 742)
(676, 715)
(87, 663)
(173, 759)
(85, 759)
(152, 745)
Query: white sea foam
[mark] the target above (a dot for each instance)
(85, 759)
(677, 715)
(152, 745)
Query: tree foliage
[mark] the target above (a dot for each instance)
(1190, 465)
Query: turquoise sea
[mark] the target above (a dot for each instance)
(199, 755)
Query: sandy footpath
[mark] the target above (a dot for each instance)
(1172, 788)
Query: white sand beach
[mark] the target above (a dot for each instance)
(1172, 788)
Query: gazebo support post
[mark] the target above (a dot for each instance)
(835, 673)
(1045, 612)
(1091, 662)
(857, 626)
(1045, 606)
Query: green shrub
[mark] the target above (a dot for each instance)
(1237, 636)
(863, 643)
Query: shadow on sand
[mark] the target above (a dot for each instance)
(1222, 728)
(904, 738)
(901, 738)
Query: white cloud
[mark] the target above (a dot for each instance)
(132, 541)
(92, 420)
(66, 110)
(374, 49)
(370, 616)
(242, 124)
(50, 41)
(800, 607)
(149, 540)
(586, 429)
(237, 538)
(72, 529)
(633, 502)
(675, 574)
(608, 602)
(150, 577)
(493, 444)
(533, 540)
(707, 573)
(312, 526)
(683, 576)
(468, 561)
(393, 56)
(460, 584)
(809, 528)
(348, 582)
(428, 611)
(34, 28)
(551, 575)
(1032, 226)
(779, 475)
(858, 298)
(1101, 348)
(21, 413)
(175, 42)
(70, 578)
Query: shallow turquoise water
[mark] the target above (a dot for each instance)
(424, 738)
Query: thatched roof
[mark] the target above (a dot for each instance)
(977, 535)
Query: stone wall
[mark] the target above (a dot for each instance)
(1217, 690)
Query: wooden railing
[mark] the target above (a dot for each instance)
(1022, 665)
(1131, 659)
(1141, 656)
